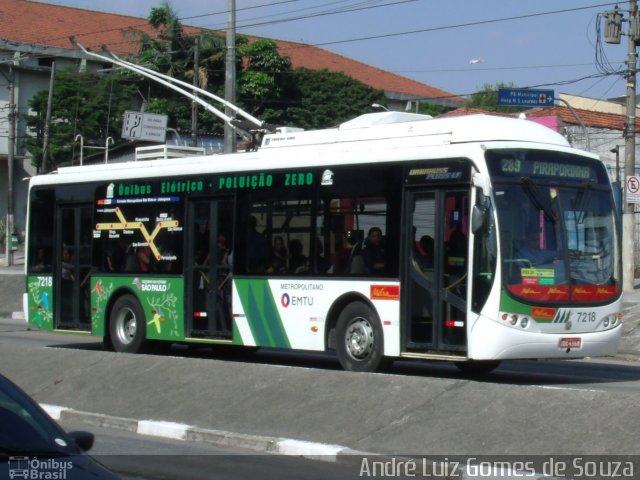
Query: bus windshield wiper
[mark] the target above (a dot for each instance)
(584, 197)
(532, 192)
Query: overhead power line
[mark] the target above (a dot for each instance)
(461, 25)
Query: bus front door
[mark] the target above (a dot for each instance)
(435, 279)
(73, 267)
(209, 269)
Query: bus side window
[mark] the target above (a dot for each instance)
(41, 227)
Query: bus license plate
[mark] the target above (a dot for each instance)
(572, 343)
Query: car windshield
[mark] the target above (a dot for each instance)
(558, 232)
(25, 429)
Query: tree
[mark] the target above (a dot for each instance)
(85, 104)
(171, 52)
(323, 99)
(265, 78)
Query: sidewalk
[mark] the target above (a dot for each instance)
(18, 261)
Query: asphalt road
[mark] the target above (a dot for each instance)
(525, 407)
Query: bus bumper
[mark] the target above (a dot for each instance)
(492, 341)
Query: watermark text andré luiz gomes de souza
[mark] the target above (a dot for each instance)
(474, 467)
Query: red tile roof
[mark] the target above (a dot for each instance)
(458, 112)
(589, 118)
(31, 22)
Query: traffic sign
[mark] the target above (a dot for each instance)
(524, 97)
(633, 189)
(144, 126)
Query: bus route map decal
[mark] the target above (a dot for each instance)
(149, 237)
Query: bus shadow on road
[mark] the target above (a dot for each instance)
(516, 372)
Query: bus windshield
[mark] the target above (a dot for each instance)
(557, 226)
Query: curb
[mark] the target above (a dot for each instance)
(180, 431)
(267, 445)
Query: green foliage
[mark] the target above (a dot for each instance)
(265, 76)
(267, 86)
(82, 104)
(433, 110)
(323, 99)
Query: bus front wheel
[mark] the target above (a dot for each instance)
(360, 344)
(127, 325)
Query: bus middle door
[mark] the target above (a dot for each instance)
(209, 268)
(73, 267)
(435, 271)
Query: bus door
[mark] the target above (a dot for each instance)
(209, 268)
(73, 267)
(435, 271)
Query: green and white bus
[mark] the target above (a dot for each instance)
(394, 235)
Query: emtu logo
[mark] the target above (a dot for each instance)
(285, 300)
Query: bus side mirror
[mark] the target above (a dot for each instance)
(478, 219)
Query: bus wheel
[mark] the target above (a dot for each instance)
(127, 325)
(360, 344)
(478, 367)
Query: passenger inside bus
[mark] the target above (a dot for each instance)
(373, 253)
(278, 256)
(116, 253)
(424, 252)
(321, 263)
(42, 263)
(344, 256)
(259, 250)
(298, 262)
(67, 264)
(224, 251)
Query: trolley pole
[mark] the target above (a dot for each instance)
(628, 217)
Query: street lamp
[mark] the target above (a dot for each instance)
(106, 149)
(377, 105)
(616, 150)
(81, 146)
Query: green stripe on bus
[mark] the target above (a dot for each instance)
(262, 314)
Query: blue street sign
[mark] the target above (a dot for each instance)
(524, 97)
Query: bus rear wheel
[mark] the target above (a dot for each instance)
(127, 325)
(360, 344)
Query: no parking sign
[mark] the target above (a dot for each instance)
(633, 189)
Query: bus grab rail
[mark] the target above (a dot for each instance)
(168, 81)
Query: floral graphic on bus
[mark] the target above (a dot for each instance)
(163, 309)
(40, 301)
(100, 294)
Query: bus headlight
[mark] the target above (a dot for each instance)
(524, 323)
(514, 319)
(611, 320)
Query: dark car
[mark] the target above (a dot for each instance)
(32, 445)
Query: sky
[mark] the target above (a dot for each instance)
(455, 45)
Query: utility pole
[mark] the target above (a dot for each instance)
(230, 76)
(613, 34)
(628, 217)
(47, 121)
(194, 104)
(10, 161)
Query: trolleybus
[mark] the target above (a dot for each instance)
(394, 235)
